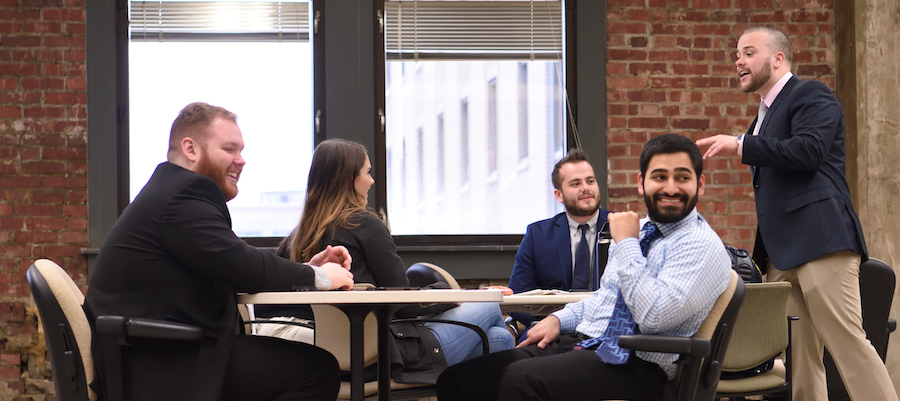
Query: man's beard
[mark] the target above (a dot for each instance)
(662, 214)
(574, 210)
(206, 167)
(757, 80)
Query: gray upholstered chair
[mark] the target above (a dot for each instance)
(68, 334)
(761, 332)
(702, 354)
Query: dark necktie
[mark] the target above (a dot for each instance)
(581, 276)
(621, 322)
(651, 233)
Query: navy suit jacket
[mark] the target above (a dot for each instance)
(544, 258)
(803, 205)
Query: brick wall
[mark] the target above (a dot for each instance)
(43, 172)
(670, 70)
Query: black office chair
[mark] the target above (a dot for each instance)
(701, 355)
(876, 288)
(68, 335)
(422, 274)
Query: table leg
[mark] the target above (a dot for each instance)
(383, 315)
(357, 317)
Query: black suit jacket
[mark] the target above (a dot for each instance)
(803, 202)
(172, 255)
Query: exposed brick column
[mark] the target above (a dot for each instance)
(43, 172)
(671, 70)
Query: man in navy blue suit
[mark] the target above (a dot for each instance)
(808, 232)
(548, 252)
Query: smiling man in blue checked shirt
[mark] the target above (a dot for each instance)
(664, 274)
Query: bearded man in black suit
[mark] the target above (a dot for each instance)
(172, 255)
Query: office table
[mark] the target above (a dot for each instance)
(540, 305)
(383, 303)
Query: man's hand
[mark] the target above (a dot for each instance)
(719, 143)
(543, 333)
(340, 277)
(334, 254)
(623, 225)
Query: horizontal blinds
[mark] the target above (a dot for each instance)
(473, 29)
(219, 21)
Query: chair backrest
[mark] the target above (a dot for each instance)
(333, 335)
(698, 381)
(423, 273)
(876, 287)
(761, 329)
(66, 329)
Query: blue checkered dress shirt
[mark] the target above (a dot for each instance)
(669, 292)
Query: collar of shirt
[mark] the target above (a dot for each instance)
(573, 225)
(770, 97)
(668, 228)
(575, 235)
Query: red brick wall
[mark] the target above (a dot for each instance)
(43, 171)
(671, 69)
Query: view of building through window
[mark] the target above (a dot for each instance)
(476, 142)
(470, 138)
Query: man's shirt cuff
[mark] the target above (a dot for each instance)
(323, 283)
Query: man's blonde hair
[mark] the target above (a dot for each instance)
(193, 121)
(778, 42)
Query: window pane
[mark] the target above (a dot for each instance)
(467, 170)
(268, 85)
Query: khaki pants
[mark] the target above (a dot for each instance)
(287, 331)
(825, 296)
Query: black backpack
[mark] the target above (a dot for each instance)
(744, 265)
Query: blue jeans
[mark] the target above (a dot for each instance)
(460, 343)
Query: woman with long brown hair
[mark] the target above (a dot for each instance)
(335, 214)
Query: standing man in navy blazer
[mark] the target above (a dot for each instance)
(546, 256)
(808, 233)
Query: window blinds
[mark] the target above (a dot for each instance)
(227, 21)
(465, 30)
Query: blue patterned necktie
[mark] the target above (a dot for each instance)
(651, 233)
(621, 322)
(580, 279)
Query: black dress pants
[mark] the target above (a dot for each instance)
(555, 373)
(268, 368)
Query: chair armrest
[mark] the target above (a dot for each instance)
(513, 326)
(696, 347)
(161, 329)
(485, 345)
(114, 332)
(146, 328)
